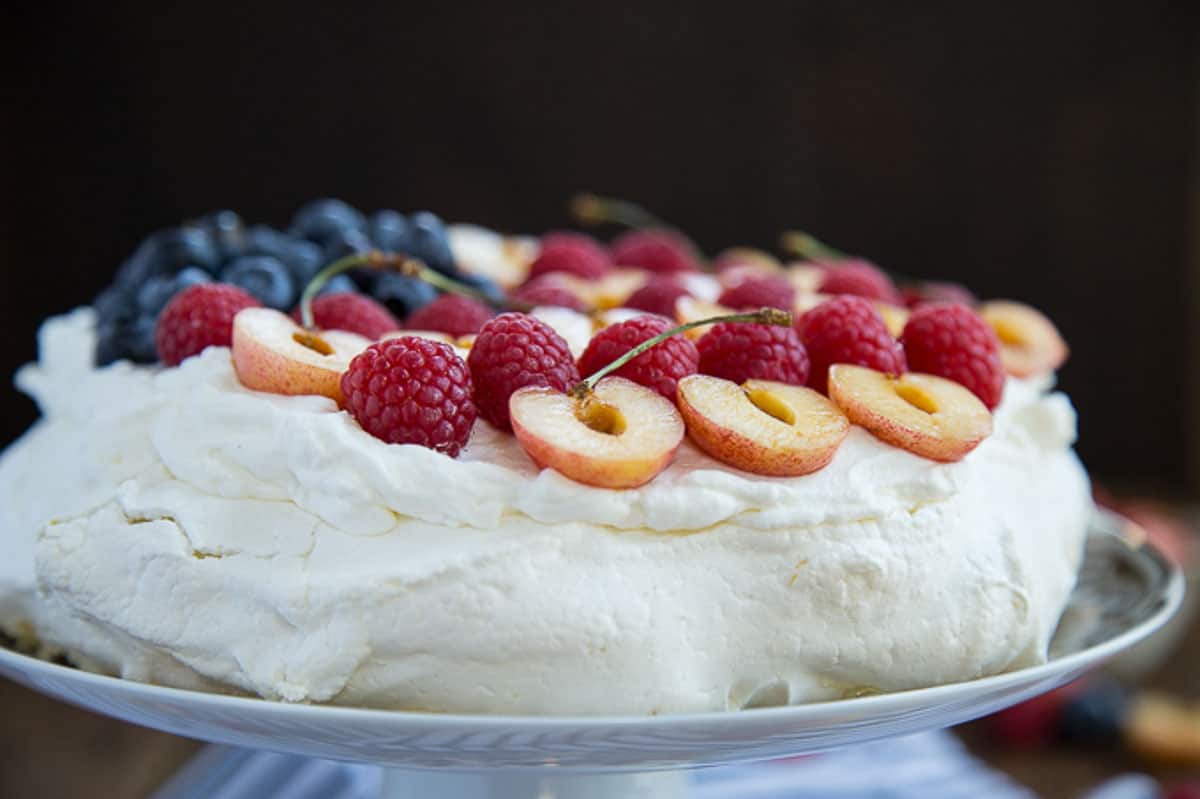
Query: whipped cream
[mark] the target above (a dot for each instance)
(183, 529)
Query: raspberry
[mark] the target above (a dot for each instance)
(761, 291)
(861, 278)
(741, 352)
(357, 313)
(450, 313)
(658, 296)
(847, 329)
(951, 341)
(574, 253)
(545, 290)
(512, 351)
(411, 390)
(935, 291)
(198, 317)
(654, 250)
(659, 368)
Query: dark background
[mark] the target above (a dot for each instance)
(1044, 151)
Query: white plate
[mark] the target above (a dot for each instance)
(1125, 592)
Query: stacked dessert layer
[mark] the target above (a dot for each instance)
(176, 525)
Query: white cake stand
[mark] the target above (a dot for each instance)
(1126, 591)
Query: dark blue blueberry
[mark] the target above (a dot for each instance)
(156, 292)
(143, 264)
(227, 232)
(1095, 714)
(113, 305)
(187, 246)
(138, 337)
(429, 242)
(494, 294)
(321, 219)
(346, 242)
(401, 294)
(263, 276)
(304, 259)
(300, 256)
(110, 346)
(389, 231)
(339, 284)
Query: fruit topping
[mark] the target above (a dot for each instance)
(690, 309)
(513, 351)
(762, 291)
(411, 390)
(860, 278)
(847, 329)
(739, 352)
(658, 368)
(924, 414)
(762, 426)
(952, 341)
(356, 313)
(546, 290)
(571, 253)
(198, 317)
(1030, 344)
(618, 435)
(655, 250)
(658, 295)
(451, 313)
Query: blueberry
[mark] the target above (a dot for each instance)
(227, 232)
(339, 284)
(493, 293)
(389, 231)
(429, 242)
(145, 262)
(346, 242)
(1096, 714)
(320, 219)
(138, 338)
(401, 294)
(113, 305)
(301, 257)
(265, 277)
(110, 346)
(156, 292)
(184, 246)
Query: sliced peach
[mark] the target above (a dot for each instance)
(894, 317)
(1030, 344)
(924, 414)
(620, 436)
(272, 353)
(762, 426)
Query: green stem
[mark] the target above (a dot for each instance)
(376, 259)
(763, 316)
(797, 242)
(592, 209)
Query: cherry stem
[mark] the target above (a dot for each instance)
(763, 316)
(797, 242)
(592, 209)
(376, 259)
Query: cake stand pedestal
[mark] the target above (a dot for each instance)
(544, 784)
(1126, 590)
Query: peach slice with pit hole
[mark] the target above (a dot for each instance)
(1030, 344)
(272, 353)
(619, 436)
(762, 426)
(924, 414)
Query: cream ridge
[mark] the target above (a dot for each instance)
(173, 526)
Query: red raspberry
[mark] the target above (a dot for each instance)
(861, 278)
(741, 352)
(847, 329)
(659, 368)
(761, 291)
(574, 253)
(935, 291)
(450, 313)
(654, 251)
(198, 317)
(545, 290)
(951, 341)
(512, 351)
(411, 390)
(658, 296)
(357, 313)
